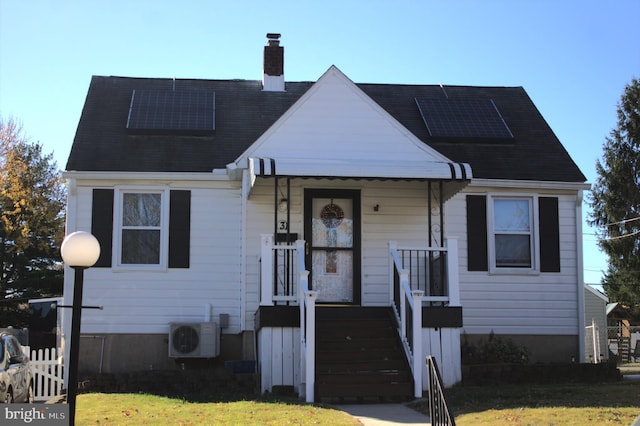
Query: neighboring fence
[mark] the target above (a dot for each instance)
(47, 369)
(624, 343)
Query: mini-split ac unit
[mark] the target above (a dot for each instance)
(194, 340)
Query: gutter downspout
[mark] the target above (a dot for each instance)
(580, 275)
(243, 249)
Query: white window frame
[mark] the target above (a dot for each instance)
(534, 242)
(120, 191)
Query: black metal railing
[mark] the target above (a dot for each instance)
(397, 302)
(409, 324)
(427, 270)
(285, 274)
(439, 411)
(396, 288)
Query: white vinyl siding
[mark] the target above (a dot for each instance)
(335, 120)
(147, 301)
(516, 303)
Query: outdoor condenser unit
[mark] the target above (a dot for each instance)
(194, 340)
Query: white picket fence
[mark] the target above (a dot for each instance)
(47, 369)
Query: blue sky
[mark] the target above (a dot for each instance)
(572, 57)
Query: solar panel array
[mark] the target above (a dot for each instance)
(165, 111)
(463, 118)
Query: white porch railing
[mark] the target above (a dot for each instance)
(47, 371)
(285, 280)
(307, 305)
(408, 309)
(421, 275)
(279, 272)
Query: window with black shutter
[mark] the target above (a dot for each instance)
(505, 233)
(152, 227)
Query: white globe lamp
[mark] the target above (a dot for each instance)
(80, 250)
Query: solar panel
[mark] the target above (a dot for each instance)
(463, 118)
(165, 111)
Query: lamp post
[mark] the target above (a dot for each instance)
(80, 250)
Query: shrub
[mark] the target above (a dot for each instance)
(495, 350)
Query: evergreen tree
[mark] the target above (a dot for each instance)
(32, 200)
(615, 202)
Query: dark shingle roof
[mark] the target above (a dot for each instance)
(243, 112)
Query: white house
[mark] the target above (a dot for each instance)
(318, 222)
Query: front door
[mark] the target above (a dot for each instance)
(332, 233)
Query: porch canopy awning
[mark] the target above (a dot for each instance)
(454, 176)
(360, 169)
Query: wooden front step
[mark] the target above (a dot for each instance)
(359, 355)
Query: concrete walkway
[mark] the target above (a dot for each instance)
(384, 414)
(400, 414)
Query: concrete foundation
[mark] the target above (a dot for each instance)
(122, 353)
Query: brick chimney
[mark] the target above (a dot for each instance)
(273, 70)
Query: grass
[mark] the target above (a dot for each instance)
(144, 409)
(563, 404)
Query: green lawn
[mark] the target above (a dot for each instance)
(142, 409)
(565, 404)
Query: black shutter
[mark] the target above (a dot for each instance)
(179, 228)
(102, 224)
(477, 259)
(549, 234)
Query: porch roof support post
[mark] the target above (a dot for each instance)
(275, 207)
(441, 206)
(300, 247)
(266, 272)
(310, 355)
(453, 271)
(417, 342)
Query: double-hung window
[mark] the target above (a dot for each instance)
(512, 236)
(141, 230)
(517, 234)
